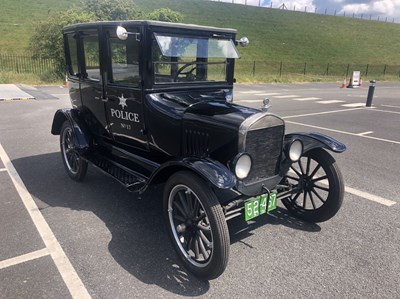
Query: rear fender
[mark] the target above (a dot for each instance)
(82, 135)
(211, 171)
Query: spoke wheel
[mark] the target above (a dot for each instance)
(320, 187)
(74, 164)
(196, 225)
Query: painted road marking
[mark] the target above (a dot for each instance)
(365, 133)
(251, 91)
(3, 169)
(353, 105)
(371, 197)
(390, 106)
(24, 258)
(343, 132)
(64, 266)
(320, 113)
(330, 102)
(249, 101)
(286, 96)
(393, 112)
(307, 99)
(359, 193)
(268, 94)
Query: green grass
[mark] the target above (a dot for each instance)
(275, 35)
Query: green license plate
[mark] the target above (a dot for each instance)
(258, 206)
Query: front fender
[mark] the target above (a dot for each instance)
(210, 170)
(82, 135)
(316, 140)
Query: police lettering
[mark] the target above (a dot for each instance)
(125, 115)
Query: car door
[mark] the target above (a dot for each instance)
(91, 83)
(124, 106)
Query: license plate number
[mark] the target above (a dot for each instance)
(258, 206)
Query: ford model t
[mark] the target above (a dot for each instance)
(152, 102)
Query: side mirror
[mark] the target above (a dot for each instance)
(244, 41)
(122, 34)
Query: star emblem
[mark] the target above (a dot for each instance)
(122, 101)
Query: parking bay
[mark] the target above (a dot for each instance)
(119, 247)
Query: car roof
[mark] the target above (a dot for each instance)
(149, 24)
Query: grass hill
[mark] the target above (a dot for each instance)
(275, 35)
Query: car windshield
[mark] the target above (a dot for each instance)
(184, 58)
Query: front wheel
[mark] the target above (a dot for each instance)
(319, 185)
(74, 164)
(196, 225)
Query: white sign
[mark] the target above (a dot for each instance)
(356, 78)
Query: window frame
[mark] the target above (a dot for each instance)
(111, 35)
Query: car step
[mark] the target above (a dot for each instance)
(131, 180)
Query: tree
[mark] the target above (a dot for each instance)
(112, 10)
(46, 40)
(165, 15)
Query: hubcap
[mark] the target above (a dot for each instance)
(70, 155)
(308, 176)
(190, 226)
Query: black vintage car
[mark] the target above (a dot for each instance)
(152, 103)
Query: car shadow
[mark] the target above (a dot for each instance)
(140, 243)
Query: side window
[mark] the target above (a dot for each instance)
(124, 57)
(72, 60)
(92, 57)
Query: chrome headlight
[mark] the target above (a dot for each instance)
(294, 150)
(242, 164)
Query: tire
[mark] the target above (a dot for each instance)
(321, 184)
(196, 225)
(75, 166)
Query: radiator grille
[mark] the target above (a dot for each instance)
(265, 148)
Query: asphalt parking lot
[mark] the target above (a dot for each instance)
(62, 239)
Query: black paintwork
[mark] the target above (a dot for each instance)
(154, 130)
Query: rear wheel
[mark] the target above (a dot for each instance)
(74, 164)
(196, 225)
(320, 187)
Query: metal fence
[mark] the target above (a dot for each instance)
(19, 64)
(24, 63)
(281, 69)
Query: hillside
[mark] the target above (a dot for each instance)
(275, 35)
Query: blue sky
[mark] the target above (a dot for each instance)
(373, 8)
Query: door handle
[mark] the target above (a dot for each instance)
(103, 99)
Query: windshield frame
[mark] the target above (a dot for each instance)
(228, 63)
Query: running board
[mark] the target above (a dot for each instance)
(132, 181)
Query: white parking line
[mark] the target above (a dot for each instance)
(391, 106)
(359, 193)
(24, 258)
(248, 101)
(330, 102)
(286, 96)
(365, 133)
(268, 94)
(320, 113)
(353, 105)
(343, 132)
(2, 169)
(307, 99)
(393, 112)
(64, 266)
(371, 197)
(251, 91)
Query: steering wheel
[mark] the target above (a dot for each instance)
(189, 74)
